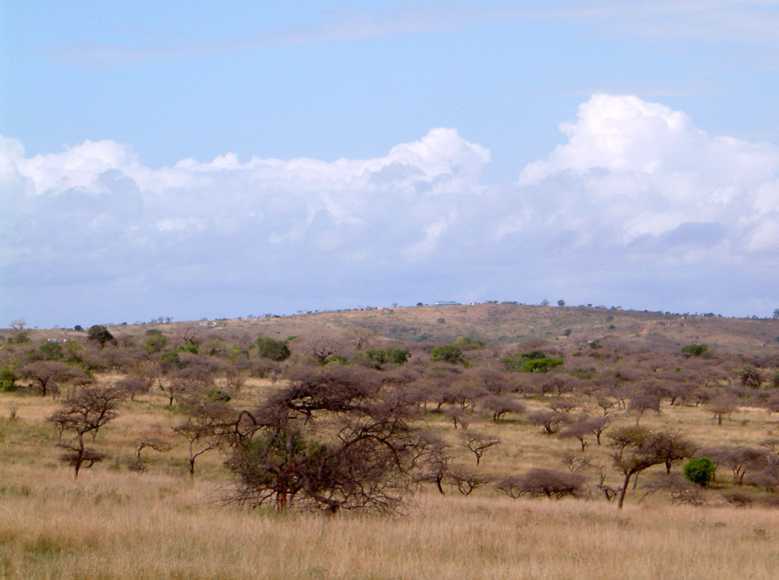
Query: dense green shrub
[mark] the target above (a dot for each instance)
(695, 349)
(7, 380)
(272, 349)
(448, 353)
(700, 471)
(531, 362)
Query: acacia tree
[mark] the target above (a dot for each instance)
(280, 457)
(635, 449)
(722, 406)
(478, 444)
(550, 421)
(500, 405)
(740, 459)
(585, 427)
(643, 402)
(467, 480)
(202, 429)
(153, 442)
(85, 412)
(673, 447)
(196, 376)
(543, 482)
(436, 464)
(47, 375)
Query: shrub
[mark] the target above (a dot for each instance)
(272, 349)
(219, 395)
(51, 351)
(100, 334)
(448, 353)
(189, 346)
(531, 362)
(695, 350)
(543, 482)
(750, 377)
(156, 342)
(7, 380)
(700, 471)
(380, 357)
(170, 360)
(468, 343)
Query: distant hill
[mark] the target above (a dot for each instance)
(507, 324)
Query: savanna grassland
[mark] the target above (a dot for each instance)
(325, 447)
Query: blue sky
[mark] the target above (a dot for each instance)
(203, 159)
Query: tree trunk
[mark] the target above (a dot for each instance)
(623, 491)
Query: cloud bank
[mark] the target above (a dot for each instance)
(637, 206)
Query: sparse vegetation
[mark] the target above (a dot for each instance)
(353, 420)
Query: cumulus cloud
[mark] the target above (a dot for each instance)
(636, 200)
(647, 170)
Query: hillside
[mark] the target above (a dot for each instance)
(384, 444)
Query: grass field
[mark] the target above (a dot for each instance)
(115, 523)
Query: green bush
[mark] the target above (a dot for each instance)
(170, 360)
(448, 353)
(189, 346)
(7, 380)
(156, 342)
(272, 349)
(396, 356)
(531, 362)
(695, 350)
(51, 351)
(700, 471)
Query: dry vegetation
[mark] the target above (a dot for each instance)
(118, 521)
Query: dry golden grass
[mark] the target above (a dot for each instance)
(118, 525)
(114, 523)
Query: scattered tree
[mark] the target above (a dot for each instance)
(100, 334)
(85, 412)
(478, 444)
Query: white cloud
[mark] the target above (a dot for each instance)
(635, 187)
(647, 169)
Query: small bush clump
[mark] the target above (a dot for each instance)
(695, 350)
(531, 362)
(700, 471)
(272, 349)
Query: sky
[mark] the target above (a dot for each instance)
(203, 159)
